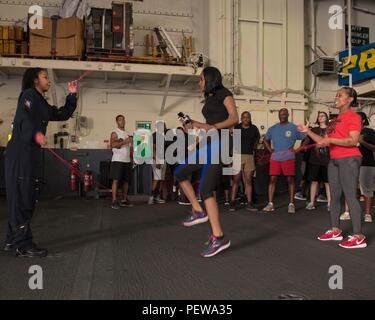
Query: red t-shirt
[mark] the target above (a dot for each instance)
(339, 128)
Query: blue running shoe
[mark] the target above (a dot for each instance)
(215, 246)
(195, 218)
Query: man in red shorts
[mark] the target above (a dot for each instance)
(283, 136)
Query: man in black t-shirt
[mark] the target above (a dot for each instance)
(249, 140)
(317, 166)
(367, 170)
(158, 169)
(366, 145)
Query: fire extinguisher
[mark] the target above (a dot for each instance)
(73, 176)
(87, 181)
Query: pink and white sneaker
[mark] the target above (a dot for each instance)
(331, 235)
(354, 242)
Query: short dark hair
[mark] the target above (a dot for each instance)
(213, 80)
(29, 77)
(319, 113)
(120, 116)
(353, 94)
(286, 109)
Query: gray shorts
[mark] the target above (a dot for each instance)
(159, 174)
(366, 180)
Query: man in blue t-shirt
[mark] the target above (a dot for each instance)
(283, 137)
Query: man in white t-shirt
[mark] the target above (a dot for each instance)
(121, 165)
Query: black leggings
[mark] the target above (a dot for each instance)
(210, 173)
(210, 176)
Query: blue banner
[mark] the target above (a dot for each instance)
(362, 64)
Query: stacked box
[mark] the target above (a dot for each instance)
(5, 33)
(24, 47)
(21, 47)
(122, 26)
(129, 36)
(99, 29)
(18, 34)
(118, 14)
(59, 38)
(12, 40)
(5, 47)
(12, 46)
(10, 32)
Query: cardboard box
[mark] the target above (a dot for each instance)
(11, 32)
(1, 32)
(5, 46)
(21, 47)
(24, 47)
(12, 46)
(5, 33)
(1, 47)
(18, 34)
(60, 38)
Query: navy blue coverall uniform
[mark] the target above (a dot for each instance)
(21, 158)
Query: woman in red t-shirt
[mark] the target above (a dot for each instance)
(343, 169)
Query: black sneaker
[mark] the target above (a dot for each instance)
(195, 218)
(183, 200)
(250, 207)
(232, 206)
(33, 252)
(321, 198)
(126, 203)
(159, 200)
(174, 196)
(300, 196)
(215, 246)
(115, 205)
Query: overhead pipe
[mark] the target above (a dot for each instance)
(313, 43)
(349, 22)
(363, 10)
(237, 81)
(350, 78)
(349, 7)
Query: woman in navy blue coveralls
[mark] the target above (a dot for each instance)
(23, 150)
